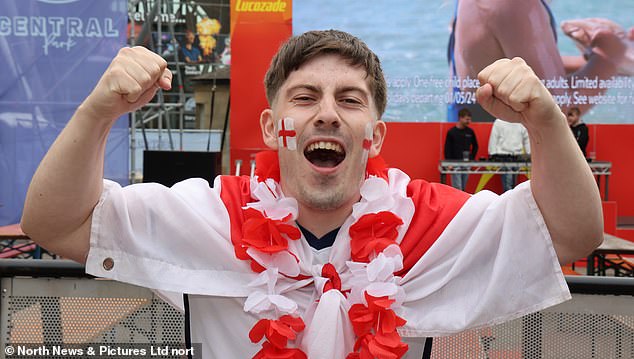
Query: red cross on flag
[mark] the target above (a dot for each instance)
(286, 135)
(367, 141)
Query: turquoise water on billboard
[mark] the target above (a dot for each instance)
(411, 38)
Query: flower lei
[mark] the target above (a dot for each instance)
(375, 254)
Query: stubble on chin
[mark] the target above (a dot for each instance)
(327, 195)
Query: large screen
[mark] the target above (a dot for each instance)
(582, 50)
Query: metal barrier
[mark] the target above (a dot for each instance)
(588, 326)
(53, 301)
(445, 167)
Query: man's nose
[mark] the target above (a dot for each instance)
(328, 116)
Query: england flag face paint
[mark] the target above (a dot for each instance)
(367, 141)
(286, 135)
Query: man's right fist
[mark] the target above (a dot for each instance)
(130, 82)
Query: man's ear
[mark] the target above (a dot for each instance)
(378, 135)
(267, 125)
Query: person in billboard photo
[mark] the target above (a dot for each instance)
(325, 252)
(486, 30)
(190, 51)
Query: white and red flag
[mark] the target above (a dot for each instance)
(286, 135)
(367, 140)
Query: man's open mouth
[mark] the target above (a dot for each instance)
(325, 154)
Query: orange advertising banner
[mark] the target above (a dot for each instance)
(258, 28)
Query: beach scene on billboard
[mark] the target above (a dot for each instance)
(431, 51)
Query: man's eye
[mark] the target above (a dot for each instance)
(302, 99)
(351, 101)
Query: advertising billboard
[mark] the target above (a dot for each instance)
(52, 52)
(431, 51)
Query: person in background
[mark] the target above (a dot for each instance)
(508, 142)
(191, 52)
(579, 129)
(461, 144)
(225, 56)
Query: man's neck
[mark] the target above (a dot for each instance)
(320, 222)
(460, 126)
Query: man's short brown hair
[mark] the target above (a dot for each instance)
(574, 110)
(300, 49)
(464, 113)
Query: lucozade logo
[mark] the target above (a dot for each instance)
(260, 6)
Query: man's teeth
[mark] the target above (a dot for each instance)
(323, 145)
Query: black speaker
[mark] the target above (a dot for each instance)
(169, 167)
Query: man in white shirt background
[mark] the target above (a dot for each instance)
(508, 142)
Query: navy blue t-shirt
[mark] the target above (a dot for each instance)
(319, 243)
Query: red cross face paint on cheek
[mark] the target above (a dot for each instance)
(286, 135)
(367, 141)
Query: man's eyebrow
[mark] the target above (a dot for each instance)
(352, 88)
(303, 87)
(360, 90)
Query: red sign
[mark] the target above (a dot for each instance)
(258, 28)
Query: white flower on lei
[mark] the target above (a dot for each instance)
(285, 262)
(266, 297)
(271, 201)
(377, 277)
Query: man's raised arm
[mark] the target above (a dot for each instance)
(68, 182)
(561, 182)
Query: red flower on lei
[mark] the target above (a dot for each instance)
(372, 233)
(278, 333)
(264, 234)
(375, 326)
(334, 281)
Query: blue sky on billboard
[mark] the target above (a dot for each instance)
(411, 38)
(57, 1)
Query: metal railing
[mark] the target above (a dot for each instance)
(54, 301)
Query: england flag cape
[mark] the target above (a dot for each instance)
(414, 259)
